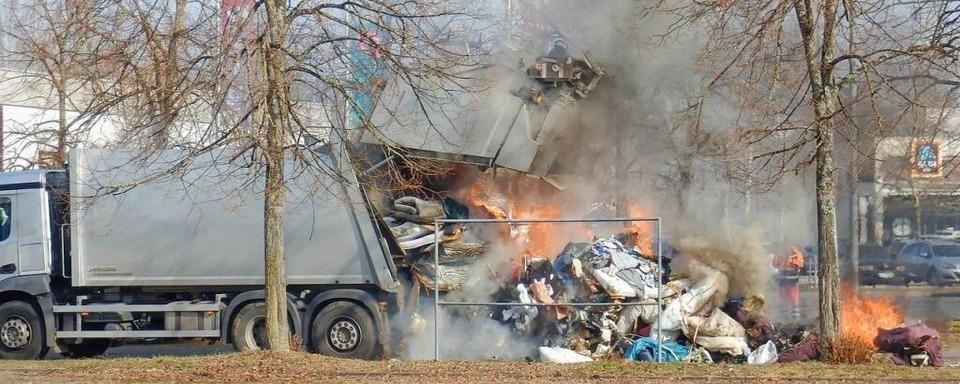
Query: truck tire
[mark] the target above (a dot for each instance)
(344, 329)
(21, 332)
(84, 350)
(249, 328)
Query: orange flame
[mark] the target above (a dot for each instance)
(642, 232)
(862, 316)
(529, 198)
(536, 239)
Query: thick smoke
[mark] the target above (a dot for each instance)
(624, 145)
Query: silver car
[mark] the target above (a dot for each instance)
(935, 261)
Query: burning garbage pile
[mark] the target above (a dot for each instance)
(622, 301)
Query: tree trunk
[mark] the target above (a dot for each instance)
(824, 95)
(61, 155)
(278, 334)
(917, 212)
(854, 250)
(828, 271)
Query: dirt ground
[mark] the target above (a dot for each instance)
(305, 368)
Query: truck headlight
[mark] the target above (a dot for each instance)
(900, 268)
(867, 267)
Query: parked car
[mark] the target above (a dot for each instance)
(936, 262)
(878, 265)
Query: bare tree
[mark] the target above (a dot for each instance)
(55, 44)
(268, 86)
(786, 60)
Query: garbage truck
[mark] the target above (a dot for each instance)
(87, 260)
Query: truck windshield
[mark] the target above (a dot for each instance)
(947, 250)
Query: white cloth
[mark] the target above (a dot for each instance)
(561, 356)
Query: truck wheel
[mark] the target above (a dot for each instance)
(85, 350)
(344, 329)
(21, 332)
(249, 328)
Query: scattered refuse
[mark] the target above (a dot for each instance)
(915, 344)
(688, 315)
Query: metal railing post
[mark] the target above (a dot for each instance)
(659, 292)
(436, 290)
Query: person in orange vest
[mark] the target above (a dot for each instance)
(787, 275)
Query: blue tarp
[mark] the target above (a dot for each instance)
(645, 349)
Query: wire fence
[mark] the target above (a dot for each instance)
(436, 267)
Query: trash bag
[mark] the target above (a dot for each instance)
(645, 349)
(690, 303)
(766, 354)
(734, 346)
(717, 324)
(561, 356)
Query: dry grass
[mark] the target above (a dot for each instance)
(301, 367)
(951, 333)
(849, 350)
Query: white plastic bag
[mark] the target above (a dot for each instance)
(717, 324)
(692, 302)
(734, 346)
(561, 356)
(765, 354)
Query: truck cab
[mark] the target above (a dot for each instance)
(25, 223)
(31, 214)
